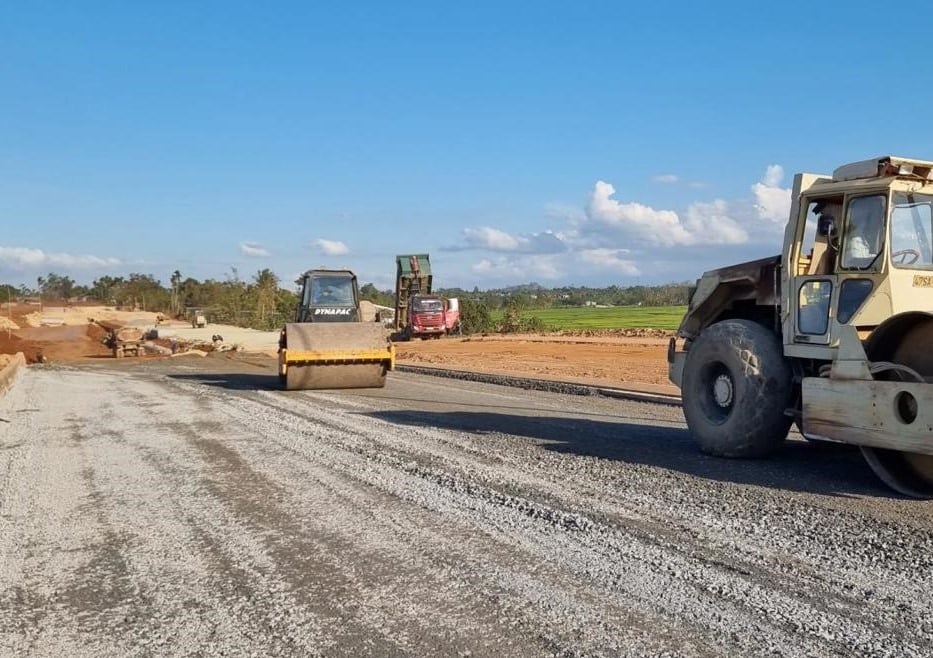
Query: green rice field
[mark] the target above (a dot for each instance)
(617, 317)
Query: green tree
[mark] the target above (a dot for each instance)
(475, 317)
(192, 292)
(233, 298)
(106, 289)
(286, 304)
(369, 292)
(515, 321)
(56, 286)
(266, 289)
(143, 291)
(7, 293)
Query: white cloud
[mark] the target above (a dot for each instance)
(771, 200)
(609, 259)
(253, 249)
(716, 222)
(635, 219)
(712, 221)
(572, 215)
(623, 238)
(493, 239)
(520, 268)
(28, 258)
(490, 238)
(674, 179)
(330, 247)
(774, 174)
(525, 268)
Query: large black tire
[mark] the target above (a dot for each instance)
(736, 387)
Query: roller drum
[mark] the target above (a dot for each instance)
(348, 375)
(909, 473)
(340, 355)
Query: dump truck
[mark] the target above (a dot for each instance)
(418, 312)
(122, 339)
(328, 345)
(836, 333)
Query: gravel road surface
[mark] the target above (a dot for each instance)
(186, 507)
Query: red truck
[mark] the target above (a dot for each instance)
(418, 312)
(431, 316)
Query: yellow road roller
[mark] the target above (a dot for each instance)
(329, 345)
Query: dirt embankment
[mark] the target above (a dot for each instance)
(46, 335)
(60, 344)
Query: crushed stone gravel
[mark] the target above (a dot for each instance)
(191, 511)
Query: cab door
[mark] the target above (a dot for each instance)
(815, 301)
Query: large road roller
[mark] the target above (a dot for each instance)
(835, 333)
(329, 345)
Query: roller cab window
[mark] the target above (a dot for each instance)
(911, 229)
(863, 233)
(332, 290)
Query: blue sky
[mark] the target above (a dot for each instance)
(587, 143)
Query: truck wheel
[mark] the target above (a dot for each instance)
(736, 387)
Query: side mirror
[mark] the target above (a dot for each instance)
(826, 225)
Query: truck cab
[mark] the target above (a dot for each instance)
(432, 316)
(426, 317)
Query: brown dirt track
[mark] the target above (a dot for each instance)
(609, 360)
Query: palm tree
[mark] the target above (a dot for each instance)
(176, 280)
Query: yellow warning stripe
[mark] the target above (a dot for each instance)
(335, 356)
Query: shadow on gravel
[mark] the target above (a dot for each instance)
(237, 381)
(818, 468)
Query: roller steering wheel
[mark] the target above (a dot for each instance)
(903, 254)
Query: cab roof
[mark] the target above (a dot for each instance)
(883, 166)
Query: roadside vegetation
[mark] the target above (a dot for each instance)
(263, 301)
